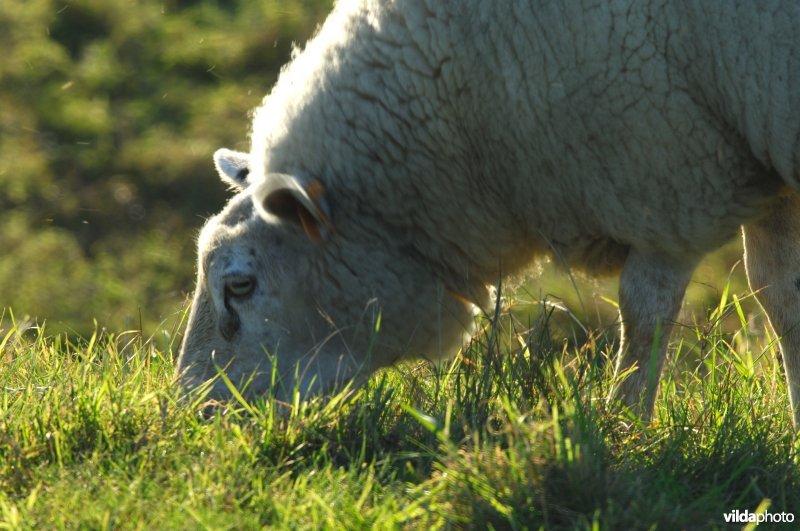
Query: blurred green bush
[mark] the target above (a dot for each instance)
(109, 113)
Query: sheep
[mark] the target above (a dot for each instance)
(415, 151)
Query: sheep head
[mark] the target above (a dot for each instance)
(285, 302)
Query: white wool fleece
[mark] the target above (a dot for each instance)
(429, 147)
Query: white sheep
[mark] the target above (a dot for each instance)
(416, 150)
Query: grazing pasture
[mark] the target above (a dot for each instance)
(514, 433)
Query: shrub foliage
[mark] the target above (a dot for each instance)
(109, 113)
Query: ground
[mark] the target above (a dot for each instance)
(514, 433)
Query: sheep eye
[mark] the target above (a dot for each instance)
(240, 286)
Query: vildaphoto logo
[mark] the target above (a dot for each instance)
(743, 517)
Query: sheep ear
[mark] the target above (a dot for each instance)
(306, 204)
(233, 167)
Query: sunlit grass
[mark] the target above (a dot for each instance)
(515, 432)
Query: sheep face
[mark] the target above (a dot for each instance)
(250, 317)
(284, 302)
(253, 317)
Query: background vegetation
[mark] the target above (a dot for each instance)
(109, 113)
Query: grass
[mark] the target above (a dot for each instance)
(513, 434)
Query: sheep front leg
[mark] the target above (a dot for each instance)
(650, 294)
(772, 261)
